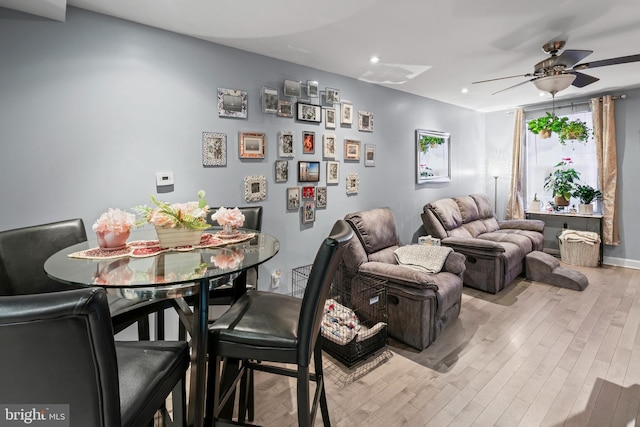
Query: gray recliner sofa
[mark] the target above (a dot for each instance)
(495, 250)
(420, 305)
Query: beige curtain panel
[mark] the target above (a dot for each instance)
(604, 132)
(515, 206)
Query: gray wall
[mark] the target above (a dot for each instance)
(92, 108)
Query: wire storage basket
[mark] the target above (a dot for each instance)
(354, 325)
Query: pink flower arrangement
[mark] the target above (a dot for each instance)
(232, 217)
(228, 259)
(188, 215)
(114, 220)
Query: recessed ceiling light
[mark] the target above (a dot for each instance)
(464, 90)
(374, 59)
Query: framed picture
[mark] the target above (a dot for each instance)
(285, 144)
(329, 146)
(214, 149)
(369, 155)
(365, 121)
(353, 183)
(321, 197)
(309, 112)
(282, 170)
(330, 118)
(251, 145)
(308, 192)
(255, 188)
(232, 103)
(346, 113)
(308, 212)
(312, 88)
(308, 171)
(308, 142)
(269, 100)
(285, 108)
(293, 198)
(433, 156)
(333, 95)
(352, 150)
(292, 88)
(333, 172)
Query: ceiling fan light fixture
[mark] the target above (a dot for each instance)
(554, 84)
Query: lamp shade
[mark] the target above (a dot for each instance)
(554, 84)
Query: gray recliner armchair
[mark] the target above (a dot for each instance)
(495, 250)
(420, 305)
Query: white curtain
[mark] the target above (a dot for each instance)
(604, 132)
(515, 205)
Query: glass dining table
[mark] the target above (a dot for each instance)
(173, 275)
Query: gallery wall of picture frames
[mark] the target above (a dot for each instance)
(319, 105)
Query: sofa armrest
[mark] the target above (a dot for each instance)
(466, 244)
(399, 274)
(522, 224)
(455, 263)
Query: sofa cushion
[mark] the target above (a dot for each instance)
(376, 228)
(522, 242)
(485, 207)
(468, 209)
(448, 213)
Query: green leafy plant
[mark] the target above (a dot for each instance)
(430, 141)
(586, 194)
(562, 179)
(170, 215)
(546, 124)
(574, 130)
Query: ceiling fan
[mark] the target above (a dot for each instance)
(558, 72)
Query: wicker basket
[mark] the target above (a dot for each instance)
(579, 253)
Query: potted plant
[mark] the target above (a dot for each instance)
(113, 229)
(574, 130)
(430, 141)
(177, 224)
(546, 124)
(561, 182)
(535, 204)
(587, 194)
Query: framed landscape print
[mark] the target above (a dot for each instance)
(232, 103)
(352, 150)
(308, 171)
(285, 144)
(255, 188)
(365, 121)
(433, 156)
(251, 145)
(293, 198)
(308, 212)
(346, 113)
(292, 88)
(330, 118)
(285, 108)
(333, 172)
(309, 112)
(308, 142)
(282, 170)
(321, 197)
(214, 149)
(269, 100)
(369, 155)
(329, 146)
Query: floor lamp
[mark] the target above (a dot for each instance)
(495, 194)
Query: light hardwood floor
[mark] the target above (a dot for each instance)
(533, 355)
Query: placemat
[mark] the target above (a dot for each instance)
(146, 248)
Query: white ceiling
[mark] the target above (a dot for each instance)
(427, 47)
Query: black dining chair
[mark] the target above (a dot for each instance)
(275, 328)
(23, 252)
(58, 349)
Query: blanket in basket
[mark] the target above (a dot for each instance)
(340, 324)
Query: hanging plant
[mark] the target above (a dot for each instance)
(546, 124)
(430, 141)
(575, 130)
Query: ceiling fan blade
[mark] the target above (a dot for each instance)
(570, 57)
(511, 87)
(582, 79)
(605, 62)
(502, 78)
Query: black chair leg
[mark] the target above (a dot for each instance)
(304, 411)
(317, 358)
(160, 325)
(143, 329)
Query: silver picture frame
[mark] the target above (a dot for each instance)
(214, 149)
(255, 188)
(232, 103)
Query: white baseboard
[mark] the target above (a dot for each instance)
(622, 262)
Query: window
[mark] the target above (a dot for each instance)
(541, 155)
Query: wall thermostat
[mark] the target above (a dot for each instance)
(164, 178)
